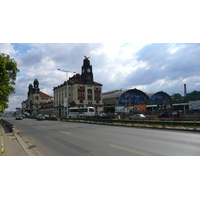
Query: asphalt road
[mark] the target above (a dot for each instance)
(54, 138)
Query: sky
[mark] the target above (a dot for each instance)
(149, 45)
(150, 67)
(130, 45)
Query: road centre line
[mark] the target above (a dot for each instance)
(42, 126)
(79, 136)
(49, 128)
(131, 150)
(65, 132)
(87, 138)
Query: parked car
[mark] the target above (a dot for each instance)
(23, 115)
(19, 117)
(112, 115)
(138, 116)
(46, 115)
(40, 118)
(101, 115)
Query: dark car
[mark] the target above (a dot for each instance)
(40, 118)
(112, 115)
(19, 117)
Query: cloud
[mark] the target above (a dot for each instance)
(150, 67)
(168, 62)
(7, 48)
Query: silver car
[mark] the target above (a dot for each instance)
(137, 116)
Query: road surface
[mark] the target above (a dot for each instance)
(55, 138)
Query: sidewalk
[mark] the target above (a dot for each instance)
(12, 144)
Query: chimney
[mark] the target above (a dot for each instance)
(185, 92)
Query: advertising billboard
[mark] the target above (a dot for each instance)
(119, 109)
(140, 107)
(194, 105)
(164, 106)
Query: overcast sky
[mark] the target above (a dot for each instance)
(149, 67)
(162, 52)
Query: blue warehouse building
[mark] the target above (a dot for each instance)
(131, 97)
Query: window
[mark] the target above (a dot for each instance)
(89, 91)
(81, 92)
(89, 94)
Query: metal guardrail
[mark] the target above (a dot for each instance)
(161, 123)
(147, 122)
(8, 124)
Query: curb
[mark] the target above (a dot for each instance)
(1, 142)
(23, 144)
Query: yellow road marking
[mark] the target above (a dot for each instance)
(64, 132)
(130, 150)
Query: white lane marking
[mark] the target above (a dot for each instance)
(42, 126)
(87, 138)
(130, 150)
(64, 132)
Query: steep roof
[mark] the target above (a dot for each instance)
(42, 94)
(76, 79)
(113, 95)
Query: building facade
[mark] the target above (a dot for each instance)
(134, 97)
(82, 91)
(35, 99)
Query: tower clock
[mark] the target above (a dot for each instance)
(87, 75)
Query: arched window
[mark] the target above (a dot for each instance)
(130, 98)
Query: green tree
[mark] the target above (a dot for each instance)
(195, 95)
(8, 72)
(176, 96)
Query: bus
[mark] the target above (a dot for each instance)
(81, 112)
(171, 114)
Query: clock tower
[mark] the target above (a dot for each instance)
(87, 75)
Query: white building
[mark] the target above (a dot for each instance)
(83, 91)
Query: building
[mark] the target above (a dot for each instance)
(133, 98)
(35, 99)
(81, 89)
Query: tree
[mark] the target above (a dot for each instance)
(176, 97)
(195, 95)
(8, 72)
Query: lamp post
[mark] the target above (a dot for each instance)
(66, 89)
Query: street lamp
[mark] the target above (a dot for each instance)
(62, 70)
